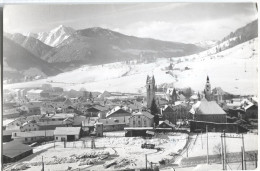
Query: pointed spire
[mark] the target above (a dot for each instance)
(153, 80)
(147, 79)
(207, 79)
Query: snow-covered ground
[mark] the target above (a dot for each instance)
(119, 148)
(232, 144)
(235, 70)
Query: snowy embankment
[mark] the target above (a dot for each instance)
(234, 70)
(233, 144)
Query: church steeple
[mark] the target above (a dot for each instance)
(207, 90)
(150, 90)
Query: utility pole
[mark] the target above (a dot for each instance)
(146, 161)
(225, 149)
(222, 153)
(242, 158)
(201, 140)
(244, 150)
(207, 144)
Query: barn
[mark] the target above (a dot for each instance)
(67, 133)
(14, 151)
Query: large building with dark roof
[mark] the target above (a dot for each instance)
(14, 151)
(208, 111)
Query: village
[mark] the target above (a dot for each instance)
(161, 129)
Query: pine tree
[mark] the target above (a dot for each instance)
(154, 109)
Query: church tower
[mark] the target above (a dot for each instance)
(207, 90)
(150, 90)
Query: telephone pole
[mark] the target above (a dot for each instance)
(207, 144)
(225, 150)
(146, 161)
(244, 150)
(222, 153)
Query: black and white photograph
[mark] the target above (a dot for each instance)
(130, 86)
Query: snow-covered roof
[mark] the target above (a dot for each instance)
(67, 131)
(248, 106)
(206, 107)
(35, 91)
(147, 114)
(116, 109)
(7, 122)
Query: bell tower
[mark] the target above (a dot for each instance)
(150, 90)
(207, 90)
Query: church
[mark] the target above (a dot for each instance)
(207, 109)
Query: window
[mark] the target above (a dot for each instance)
(145, 123)
(25, 139)
(34, 129)
(56, 138)
(139, 123)
(133, 122)
(15, 134)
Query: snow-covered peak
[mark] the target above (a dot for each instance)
(206, 44)
(56, 35)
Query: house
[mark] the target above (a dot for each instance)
(141, 119)
(208, 111)
(69, 109)
(33, 136)
(118, 112)
(177, 112)
(15, 151)
(67, 133)
(166, 124)
(95, 110)
(30, 125)
(218, 94)
(7, 135)
(251, 111)
(31, 108)
(114, 124)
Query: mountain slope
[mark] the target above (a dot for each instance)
(99, 46)
(33, 45)
(234, 70)
(243, 34)
(19, 60)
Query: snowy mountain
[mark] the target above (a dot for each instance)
(33, 45)
(20, 62)
(234, 70)
(55, 36)
(206, 44)
(99, 46)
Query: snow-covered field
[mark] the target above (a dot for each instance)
(234, 70)
(199, 148)
(119, 148)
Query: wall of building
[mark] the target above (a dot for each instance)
(212, 118)
(140, 121)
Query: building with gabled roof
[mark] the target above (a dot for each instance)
(67, 133)
(117, 112)
(208, 111)
(14, 151)
(33, 136)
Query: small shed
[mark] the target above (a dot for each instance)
(67, 133)
(14, 151)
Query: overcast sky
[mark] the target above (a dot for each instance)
(180, 22)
